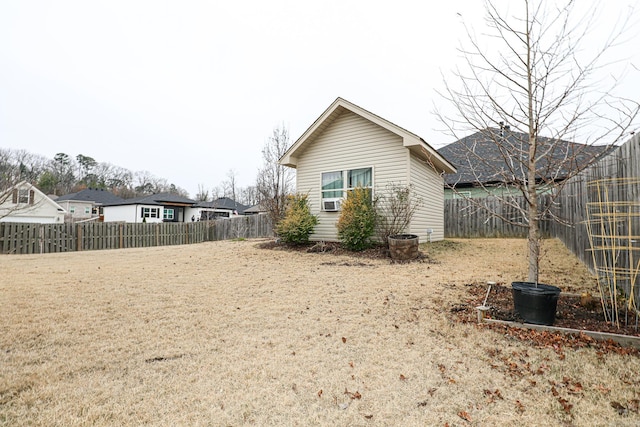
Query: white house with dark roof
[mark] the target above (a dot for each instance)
(163, 207)
(348, 146)
(25, 203)
(223, 207)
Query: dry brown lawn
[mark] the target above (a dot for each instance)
(225, 333)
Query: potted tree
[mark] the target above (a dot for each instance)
(395, 209)
(534, 80)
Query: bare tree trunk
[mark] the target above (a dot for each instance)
(533, 242)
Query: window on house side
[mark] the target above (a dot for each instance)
(168, 214)
(23, 196)
(462, 195)
(336, 184)
(150, 212)
(332, 185)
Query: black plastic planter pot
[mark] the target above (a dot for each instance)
(535, 304)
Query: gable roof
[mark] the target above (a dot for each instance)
(255, 209)
(479, 158)
(22, 185)
(410, 140)
(160, 199)
(97, 196)
(223, 203)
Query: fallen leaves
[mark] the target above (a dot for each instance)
(492, 395)
(464, 415)
(354, 395)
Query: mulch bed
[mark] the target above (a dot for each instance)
(571, 313)
(335, 248)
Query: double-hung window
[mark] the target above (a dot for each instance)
(336, 184)
(150, 212)
(23, 196)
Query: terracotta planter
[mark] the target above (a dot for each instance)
(535, 303)
(403, 247)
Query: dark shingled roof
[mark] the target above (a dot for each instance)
(480, 157)
(98, 196)
(156, 199)
(223, 203)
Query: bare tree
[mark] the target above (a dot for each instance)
(275, 181)
(203, 194)
(536, 79)
(248, 195)
(229, 185)
(216, 192)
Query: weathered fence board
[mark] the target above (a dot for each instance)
(26, 238)
(483, 217)
(624, 162)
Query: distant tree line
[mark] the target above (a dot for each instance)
(65, 174)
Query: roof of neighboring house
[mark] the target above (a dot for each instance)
(480, 157)
(160, 199)
(255, 209)
(97, 196)
(410, 140)
(223, 203)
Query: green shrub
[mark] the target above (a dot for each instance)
(298, 222)
(357, 221)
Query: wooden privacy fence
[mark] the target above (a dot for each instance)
(25, 238)
(571, 204)
(465, 218)
(488, 217)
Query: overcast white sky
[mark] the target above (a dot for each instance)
(189, 90)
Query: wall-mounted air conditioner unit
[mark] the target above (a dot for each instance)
(331, 205)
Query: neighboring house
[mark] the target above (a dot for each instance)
(86, 204)
(223, 207)
(348, 146)
(25, 203)
(479, 158)
(163, 207)
(255, 210)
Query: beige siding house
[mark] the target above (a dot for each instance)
(348, 146)
(25, 203)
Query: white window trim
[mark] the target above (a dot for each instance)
(150, 212)
(345, 182)
(462, 194)
(23, 196)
